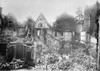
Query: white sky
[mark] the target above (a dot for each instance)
(22, 9)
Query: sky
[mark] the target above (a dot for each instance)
(22, 9)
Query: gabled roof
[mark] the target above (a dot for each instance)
(41, 17)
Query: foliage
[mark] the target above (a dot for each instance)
(94, 23)
(30, 25)
(4, 23)
(7, 36)
(8, 27)
(80, 16)
(65, 49)
(64, 65)
(93, 52)
(75, 52)
(52, 59)
(77, 67)
(93, 28)
(65, 22)
(9, 22)
(68, 47)
(83, 61)
(86, 60)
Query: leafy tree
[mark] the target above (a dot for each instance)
(79, 22)
(30, 25)
(4, 23)
(52, 59)
(65, 22)
(8, 26)
(94, 14)
(93, 28)
(9, 22)
(79, 16)
(12, 22)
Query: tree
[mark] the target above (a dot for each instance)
(12, 22)
(4, 23)
(79, 19)
(92, 13)
(65, 22)
(80, 16)
(93, 30)
(79, 22)
(30, 25)
(8, 26)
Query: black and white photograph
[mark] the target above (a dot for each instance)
(49, 35)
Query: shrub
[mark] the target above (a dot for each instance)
(52, 59)
(85, 60)
(75, 52)
(80, 57)
(77, 67)
(93, 52)
(64, 65)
